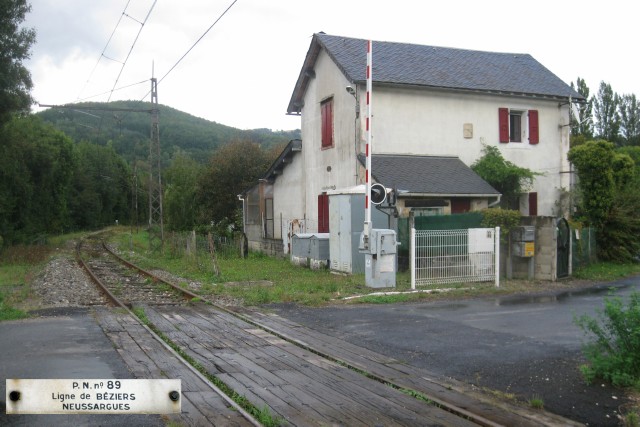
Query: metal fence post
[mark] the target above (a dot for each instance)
(412, 257)
(497, 257)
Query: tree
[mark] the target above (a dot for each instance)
(101, 187)
(36, 166)
(15, 45)
(584, 125)
(509, 179)
(609, 201)
(234, 168)
(630, 119)
(606, 111)
(181, 180)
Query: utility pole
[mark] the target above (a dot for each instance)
(156, 228)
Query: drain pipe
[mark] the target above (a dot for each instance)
(492, 204)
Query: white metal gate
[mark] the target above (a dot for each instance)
(455, 256)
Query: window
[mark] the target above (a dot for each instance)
(460, 206)
(515, 126)
(512, 128)
(326, 112)
(323, 213)
(533, 204)
(427, 211)
(268, 219)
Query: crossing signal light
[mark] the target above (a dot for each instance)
(378, 194)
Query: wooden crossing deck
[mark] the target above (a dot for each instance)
(147, 358)
(297, 385)
(303, 376)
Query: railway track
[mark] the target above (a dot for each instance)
(303, 377)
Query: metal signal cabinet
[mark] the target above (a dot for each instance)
(380, 258)
(346, 222)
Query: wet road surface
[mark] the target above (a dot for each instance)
(525, 345)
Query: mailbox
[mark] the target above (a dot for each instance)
(524, 249)
(523, 241)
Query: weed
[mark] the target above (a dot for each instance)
(614, 355)
(536, 402)
(631, 419)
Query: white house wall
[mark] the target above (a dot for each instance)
(422, 122)
(331, 168)
(432, 122)
(288, 191)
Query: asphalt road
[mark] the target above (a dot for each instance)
(525, 345)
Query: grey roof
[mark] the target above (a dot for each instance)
(436, 67)
(433, 175)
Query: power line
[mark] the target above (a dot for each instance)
(193, 45)
(198, 41)
(132, 46)
(146, 81)
(104, 50)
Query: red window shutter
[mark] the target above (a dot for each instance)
(503, 123)
(533, 204)
(326, 112)
(323, 213)
(534, 134)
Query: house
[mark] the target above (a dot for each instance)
(434, 109)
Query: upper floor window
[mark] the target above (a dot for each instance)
(518, 125)
(326, 114)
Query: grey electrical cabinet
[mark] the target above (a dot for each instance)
(380, 258)
(524, 233)
(311, 247)
(346, 222)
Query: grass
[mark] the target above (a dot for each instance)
(261, 279)
(607, 271)
(18, 266)
(536, 402)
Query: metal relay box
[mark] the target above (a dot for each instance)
(524, 233)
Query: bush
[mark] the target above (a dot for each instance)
(506, 219)
(615, 354)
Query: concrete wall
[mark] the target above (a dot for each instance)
(546, 250)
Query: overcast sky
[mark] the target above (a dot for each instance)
(242, 73)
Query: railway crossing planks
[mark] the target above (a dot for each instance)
(147, 358)
(267, 371)
(444, 391)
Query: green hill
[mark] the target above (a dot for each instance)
(129, 132)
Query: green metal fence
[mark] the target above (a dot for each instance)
(436, 222)
(583, 247)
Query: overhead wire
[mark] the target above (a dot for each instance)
(142, 24)
(102, 54)
(198, 41)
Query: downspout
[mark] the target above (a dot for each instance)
(492, 204)
(243, 214)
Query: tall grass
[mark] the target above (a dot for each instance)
(18, 266)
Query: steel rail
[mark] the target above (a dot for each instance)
(447, 406)
(482, 420)
(173, 352)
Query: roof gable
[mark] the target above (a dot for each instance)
(434, 67)
(432, 175)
